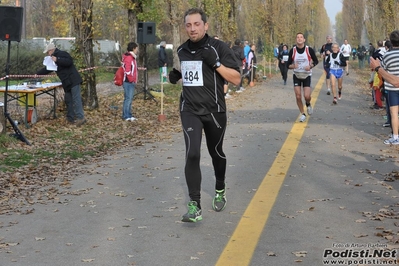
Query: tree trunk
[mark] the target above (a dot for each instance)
(83, 19)
(175, 21)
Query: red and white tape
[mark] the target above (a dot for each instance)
(53, 75)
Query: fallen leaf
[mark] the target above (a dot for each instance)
(87, 260)
(300, 253)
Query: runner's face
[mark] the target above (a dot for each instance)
(335, 48)
(300, 39)
(329, 39)
(195, 27)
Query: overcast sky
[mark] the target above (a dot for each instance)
(332, 7)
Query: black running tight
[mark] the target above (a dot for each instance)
(214, 126)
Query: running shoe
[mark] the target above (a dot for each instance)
(391, 141)
(339, 95)
(219, 201)
(328, 91)
(194, 213)
(335, 100)
(302, 118)
(310, 110)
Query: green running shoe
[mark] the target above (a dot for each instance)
(219, 201)
(194, 213)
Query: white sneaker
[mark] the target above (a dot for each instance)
(302, 118)
(242, 89)
(328, 91)
(391, 141)
(238, 91)
(310, 110)
(131, 119)
(227, 96)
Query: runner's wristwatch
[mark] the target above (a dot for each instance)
(376, 69)
(217, 65)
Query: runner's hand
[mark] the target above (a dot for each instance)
(209, 56)
(174, 76)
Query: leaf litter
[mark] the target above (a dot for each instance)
(46, 178)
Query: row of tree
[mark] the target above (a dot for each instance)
(268, 22)
(363, 21)
(265, 22)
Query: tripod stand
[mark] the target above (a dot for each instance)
(145, 85)
(18, 134)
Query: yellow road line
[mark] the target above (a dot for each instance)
(240, 248)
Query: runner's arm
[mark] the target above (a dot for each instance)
(315, 61)
(229, 74)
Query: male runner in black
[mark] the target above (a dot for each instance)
(205, 65)
(325, 50)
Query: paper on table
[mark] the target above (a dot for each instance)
(49, 63)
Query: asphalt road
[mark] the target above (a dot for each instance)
(295, 191)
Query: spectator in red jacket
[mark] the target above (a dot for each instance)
(130, 80)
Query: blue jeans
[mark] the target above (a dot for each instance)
(73, 101)
(127, 102)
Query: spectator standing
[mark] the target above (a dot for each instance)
(371, 51)
(70, 79)
(346, 52)
(205, 64)
(162, 61)
(336, 62)
(377, 81)
(246, 49)
(354, 53)
(251, 63)
(240, 57)
(324, 52)
(283, 62)
(389, 70)
(302, 59)
(276, 51)
(130, 80)
(361, 53)
(381, 48)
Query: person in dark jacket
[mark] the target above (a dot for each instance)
(70, 79)
(239, 53)
(371, 51)
(205, 65)
(162, 61)
(361, 53)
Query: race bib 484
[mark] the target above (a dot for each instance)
(192, 73)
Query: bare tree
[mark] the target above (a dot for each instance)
(83, 21)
